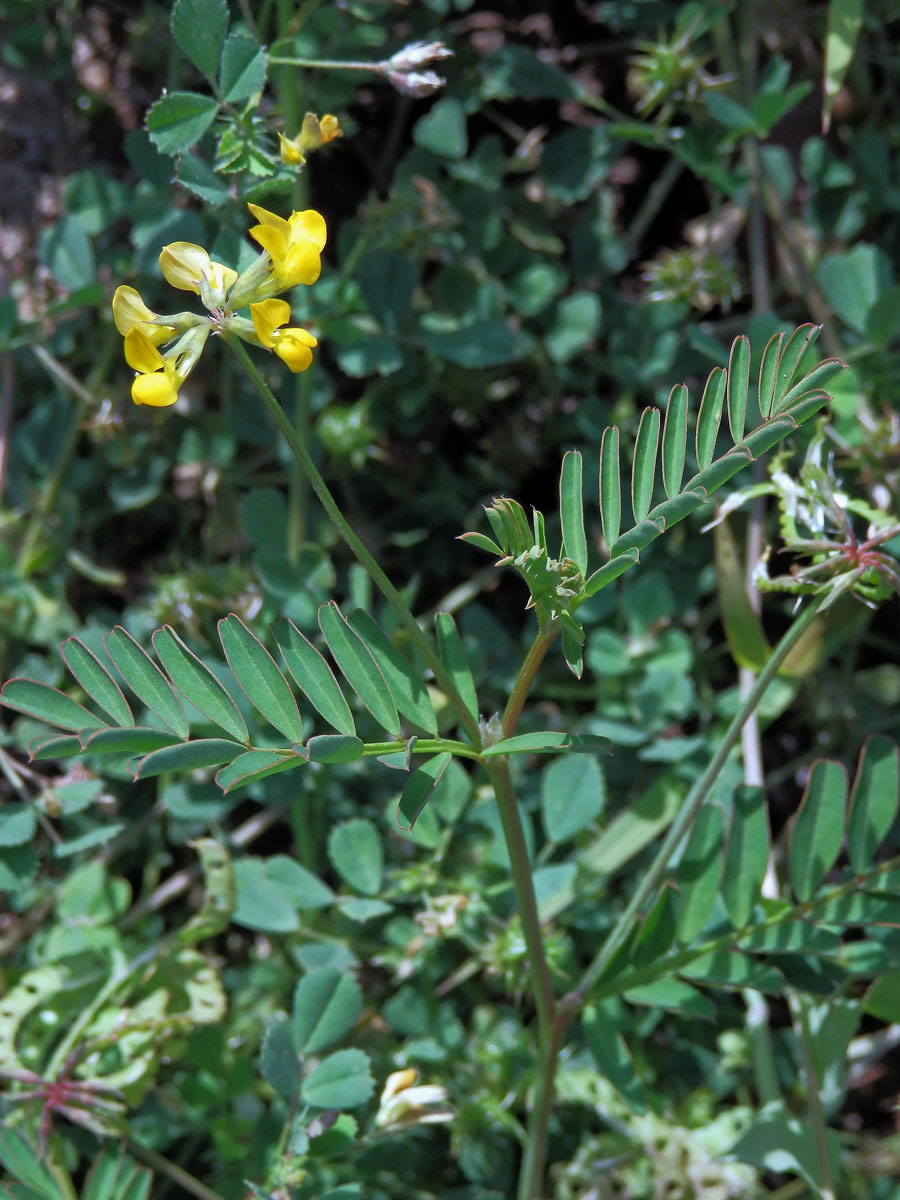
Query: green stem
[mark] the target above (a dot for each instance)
(363, 554)
(800, 1008)
(524, 680)
(532, 1171)
(689, 809)
(323, 64)
(164, 1166)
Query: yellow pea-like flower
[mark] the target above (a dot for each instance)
(293, 245)
(294, 346)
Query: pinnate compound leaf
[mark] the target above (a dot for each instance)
(573, 794)
(261, 681)
(747, 854)
(571, 511)
(327, 1004)
(359, 667)
(342, 1080)
(145, 679)
(198, 684)
(355, 851)
(314, 677)
(199, 27)
(812, 382)
(409, 692)
(818, 829)
(699, 871)
(48, 704)
(179, 120)
(96, 680)
(453, 656)
(419, 789)
(187, 756)
(874, 801)
(243, 71)
(644, 468)
(256, 764)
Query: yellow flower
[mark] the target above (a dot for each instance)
(293, 346)
(313, 134)
(294, 246)
(129, 310)
(160, 376)
(190, 268)
(158, 380)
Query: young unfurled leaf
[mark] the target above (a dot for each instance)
(571, 511)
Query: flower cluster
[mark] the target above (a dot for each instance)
(291, 255)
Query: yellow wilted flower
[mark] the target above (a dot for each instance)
(293, 346)
(313, 134)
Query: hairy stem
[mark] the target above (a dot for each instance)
(532, 1170)
(689, 809)
(363, 554)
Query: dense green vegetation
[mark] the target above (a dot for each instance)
(449, 722)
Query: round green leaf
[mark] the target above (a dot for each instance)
(243, 72)
(355, 851)
(327, 1004)
(180, 119)
(343, 1080)
(199, 27)
(573, 793)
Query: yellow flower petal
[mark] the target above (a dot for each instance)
(268, 218)
(184, 265)
(291, 151)
(158, 389)
(140, 352)
(129, 310)
(294, 347)
(308, 226)
(267, 316)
